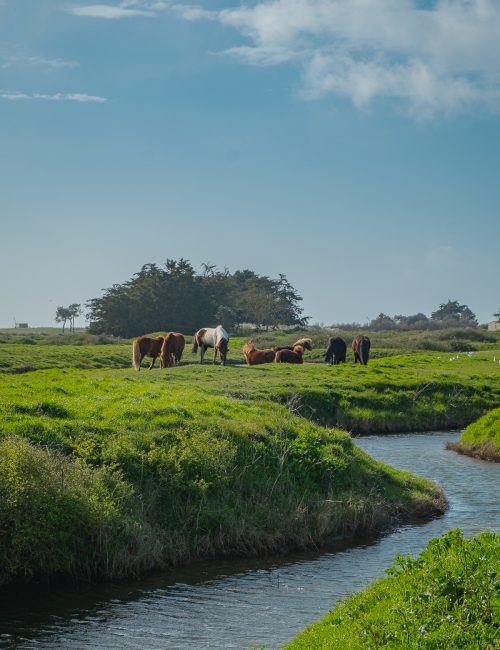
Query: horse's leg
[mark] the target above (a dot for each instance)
(215, 354)
(152, 363)
(202, 353)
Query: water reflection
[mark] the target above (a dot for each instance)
(235, 605)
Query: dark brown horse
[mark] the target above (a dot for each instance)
(144, 346)
(254, 356)
(336, 351)
(361, 348)
(290, 356)
(171, 350)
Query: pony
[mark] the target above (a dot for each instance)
(361, 348)
(290, 356)
(144, 346)
(305, 343)
(336, 351)
(212, 337)
(171, 350)
(254, 356)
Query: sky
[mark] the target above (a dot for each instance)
(353, 145)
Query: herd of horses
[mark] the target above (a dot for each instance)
(170, 348)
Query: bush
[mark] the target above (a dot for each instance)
(58, 517)
(445, 598)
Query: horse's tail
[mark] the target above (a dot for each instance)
(136, 355)
(194, 349)
(364, 350)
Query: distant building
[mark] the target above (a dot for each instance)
(22, 325)
(494, 326)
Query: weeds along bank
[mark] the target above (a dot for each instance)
(111, 473)
(481, 439)
(445, 598)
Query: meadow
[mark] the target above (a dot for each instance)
(109, 472)
(447, 597)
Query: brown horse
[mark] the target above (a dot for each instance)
(305, 343)
(144, 346)
(361, 348)
(171, 350)
(254, 357)
(290, 356)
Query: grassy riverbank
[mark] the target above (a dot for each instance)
(110, 473)
(445, 598)
(481, 439)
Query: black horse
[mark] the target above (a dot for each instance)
(336, 351)
(361, 348)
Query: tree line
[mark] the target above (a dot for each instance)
(175, 297)
(448, 314)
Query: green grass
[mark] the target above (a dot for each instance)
(481, 439)
(107, 472)
(111, 473)
(448, 597)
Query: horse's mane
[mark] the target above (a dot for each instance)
(307, 344)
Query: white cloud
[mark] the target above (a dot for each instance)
(57, 97)
(439, 59)
(110, 12)
(12, 61)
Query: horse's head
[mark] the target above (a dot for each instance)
(223, 347)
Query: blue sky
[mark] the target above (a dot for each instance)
(352, 145)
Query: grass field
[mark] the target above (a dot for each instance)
(108, 472)
(445, 598)
(481, 439)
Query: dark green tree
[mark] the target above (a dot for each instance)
(63, 315)
(175, 298)
(454, 311)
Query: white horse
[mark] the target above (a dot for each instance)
(212, 337)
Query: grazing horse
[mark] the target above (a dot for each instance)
(336, 351)
(305, 343)
(171, 350)
(212, 337)
(361, 348)
(290, 356)
(144, 346)
(254, 356)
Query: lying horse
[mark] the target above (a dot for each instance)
(144, 346)
(290, 356)
(212, 337)
(254, 356)
(336, 351)
(304, 343)
(171, 350)
(361, 348)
